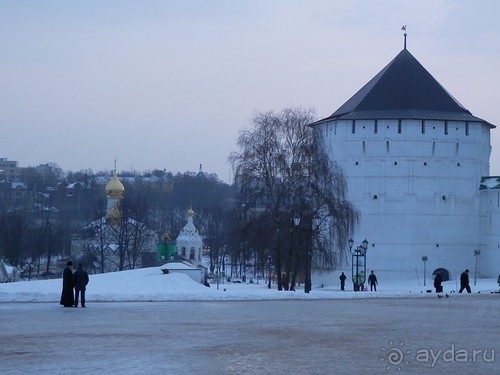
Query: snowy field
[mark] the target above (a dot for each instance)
(181, 327)
(150, 285)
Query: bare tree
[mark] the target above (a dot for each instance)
(13, 228)
(131, 234)
(282, 172)
(214, 226)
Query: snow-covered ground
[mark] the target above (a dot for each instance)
(150, 284)
(182, 327)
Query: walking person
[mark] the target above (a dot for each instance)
(464, 281)
(342, 281)
(372, 280)
(437, 283)
(67, 298)
(80, 280)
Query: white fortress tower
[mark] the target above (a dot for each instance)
(413, 158)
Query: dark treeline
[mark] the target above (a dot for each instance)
(41, 210)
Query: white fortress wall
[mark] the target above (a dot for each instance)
(416, 184)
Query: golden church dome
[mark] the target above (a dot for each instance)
(115, 188)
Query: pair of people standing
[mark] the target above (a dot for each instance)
(372, 280)
(464, 282)
(77, 281)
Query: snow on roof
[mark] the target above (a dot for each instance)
(178, 266)
(490, 182)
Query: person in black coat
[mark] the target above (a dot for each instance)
(372, 279)
(342, 281)
(437, 283)
(67, 298)
(464, 281)
(80, 280)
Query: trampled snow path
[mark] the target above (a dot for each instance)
(456, 335)
(247, 328)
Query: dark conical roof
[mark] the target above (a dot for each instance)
(404, 89)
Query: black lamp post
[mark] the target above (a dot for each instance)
(269, 272)
(296, 223)
(476, 254)
(358, 263)
(424, 259)
(308, 273)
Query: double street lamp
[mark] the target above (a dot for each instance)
(358, 263)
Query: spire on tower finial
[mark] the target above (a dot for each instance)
(404, 29)
(115, 163)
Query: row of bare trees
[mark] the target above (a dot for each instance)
(43, 228)
(26, 239)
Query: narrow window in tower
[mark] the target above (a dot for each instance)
(364, 147)
(466, 128)
(456, 148)
(387, 147)
(375, 129)
(353, 126)
(433, 148)
(399, 127)
(423, 127)
(446, 127)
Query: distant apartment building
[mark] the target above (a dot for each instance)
(9, 169)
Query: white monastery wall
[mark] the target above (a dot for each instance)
(416, 184)
(489, 260)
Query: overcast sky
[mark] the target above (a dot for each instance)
(169, 84)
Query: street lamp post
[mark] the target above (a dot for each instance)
(358, 260)
(424, 259)
(476, 254)
(296, 223)
(269, 272)
(218, 275)
(309, 251)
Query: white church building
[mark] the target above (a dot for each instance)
(416, 163)
(189, 243)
